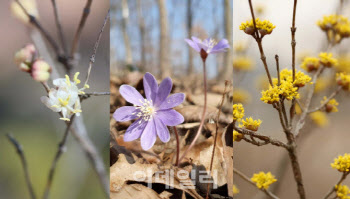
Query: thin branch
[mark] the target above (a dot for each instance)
(177, 146)
(60, 150)
(88, 95)
(20, 153)
(261, 137)
(331, 96)
(332, 190)
(246, 178)
(36, 23)
(293, 43)
(83, 19)
(59, 27)
(216, 134)
(92, 58)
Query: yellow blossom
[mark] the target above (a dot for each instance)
(337, 27)
(264, 27)
(310, 64)
(331, 106)
(271, 95)
(29, 5)
(288, 90)
(263, 180)
(298, 110)
(342, 163)
(344, 63)
(342, 191)
(238, 112)
(319, 118)
(343, 79)
(240, 96)
(251, 124)
(243, 63)
(327, 59)
(235, 190)
(287, 76)
(237, 136)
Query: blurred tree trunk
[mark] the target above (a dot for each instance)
(164, 51)
(190, 69)
(125, 21)
(141, 23)
(226, 72)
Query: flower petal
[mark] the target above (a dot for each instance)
(170, 117)
(163, 91)
(150, 86)
(135, 130)
(49, 104)
(220, 47)
(193, 45)
(125, 113)
(131, 95)
(149, 136)
(162, 130)
(172, 101)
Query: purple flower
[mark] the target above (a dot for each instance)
(209, 45)
(152, 114)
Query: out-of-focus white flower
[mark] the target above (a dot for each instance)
(64, 97)
(29, 5)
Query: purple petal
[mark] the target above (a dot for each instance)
(163, 91)
(170, 117)
(149, 136)
(135, 130)
(131, 95)
(172, 101)
(193, 45)
(125, 113)
(162, 130)
(220, 47)
(150, 86)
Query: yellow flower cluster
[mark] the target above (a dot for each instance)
(342, 163)
(310, 64)
(287, 87)
(339, 25)
(243, 63)
(319, 118)
(237, 136)
(251, 124)
(327, 59)
(241, 96)
(343, 79)
(343, 191)
(263, 180)
(264, 27)
(331, 106)
(235, 190)
(238, 112)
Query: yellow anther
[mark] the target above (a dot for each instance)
(55, 106)
(68, 80)
(77, 111)
(76, 80)
(65, 119)
(86, 86)
(64, 102)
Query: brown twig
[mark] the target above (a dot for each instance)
(20, 153)
(92, 58)
(332, 190)
(59, 27)
(293, 43)
(83, 19)
(88, 95)
(246, 178)
(60, 150)
(327, 100)
(177, 146)
(203, 113)
(216, 134)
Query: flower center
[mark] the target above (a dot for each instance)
(211, 43)
(146, 110)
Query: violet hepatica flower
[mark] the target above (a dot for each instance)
(152, 114)
(209, 45)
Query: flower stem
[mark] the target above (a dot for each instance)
(343, 177)
(177, 146)
(203, 113)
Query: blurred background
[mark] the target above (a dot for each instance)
(136, 35)
(321, 142)
(38, 128)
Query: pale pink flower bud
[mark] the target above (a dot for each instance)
(24, 67)
(41, 66)
(40, 76)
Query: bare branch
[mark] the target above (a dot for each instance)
(332, 190)
(328, 99)
(59, 27)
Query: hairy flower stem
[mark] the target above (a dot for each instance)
(177, 146)
(203, 113)
(332, 190)
(60, 150)
(20, 153)
(216, 135)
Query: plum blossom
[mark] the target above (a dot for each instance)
(152, 114)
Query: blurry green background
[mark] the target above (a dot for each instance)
(35, 126)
